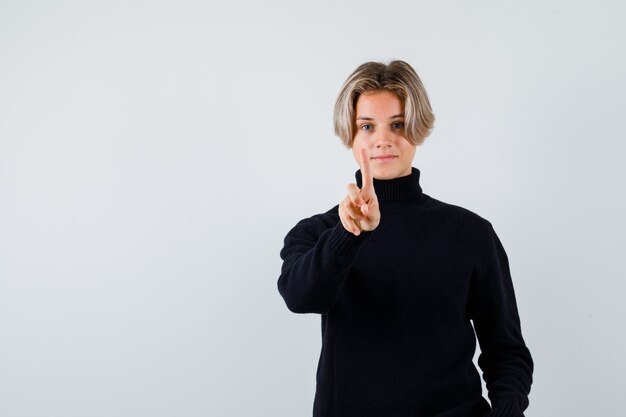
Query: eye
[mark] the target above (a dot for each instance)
(398, 125)
(366, 126)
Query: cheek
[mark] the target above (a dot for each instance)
(358, 142)
(407, 149)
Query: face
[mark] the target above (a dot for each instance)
(379, 118)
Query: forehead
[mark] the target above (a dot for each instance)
(378, 104)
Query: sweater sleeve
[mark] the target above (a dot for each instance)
(505, 360)
(317, 256)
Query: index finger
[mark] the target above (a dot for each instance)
(366, 173)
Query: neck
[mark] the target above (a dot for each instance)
(405, 188)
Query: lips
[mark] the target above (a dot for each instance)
(384, 157)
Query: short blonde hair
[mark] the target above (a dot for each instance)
(397, 77)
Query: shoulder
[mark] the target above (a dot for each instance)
(468, 228)
(314, 225)
(454, 211)
(457, 215)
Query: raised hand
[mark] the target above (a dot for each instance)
(359, 211)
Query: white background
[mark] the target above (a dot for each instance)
(154, 154)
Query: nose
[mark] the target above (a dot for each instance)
(384, 138)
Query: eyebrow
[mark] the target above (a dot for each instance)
(369, 118)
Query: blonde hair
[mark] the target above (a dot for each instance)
(397, 77)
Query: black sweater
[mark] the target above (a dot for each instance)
(396, 305)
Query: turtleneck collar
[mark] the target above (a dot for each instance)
(405, 188)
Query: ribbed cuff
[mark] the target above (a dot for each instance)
(506, 407)
(344, 244)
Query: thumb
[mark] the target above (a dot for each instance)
(370, 200)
